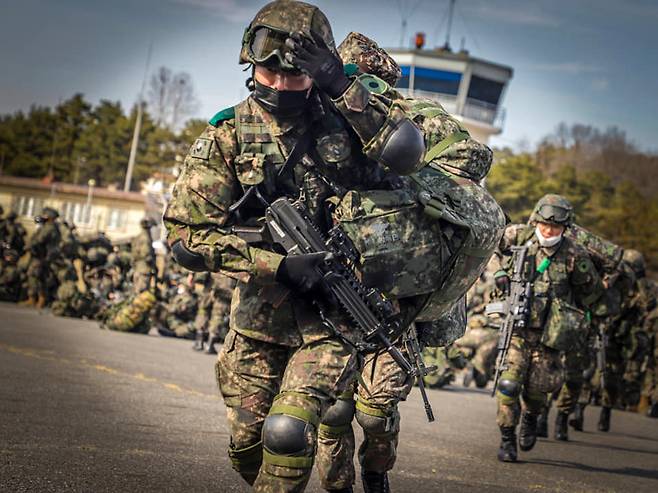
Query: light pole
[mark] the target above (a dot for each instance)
(90, 193)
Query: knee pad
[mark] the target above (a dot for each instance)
(338, 418)
(509, 388)
(289, 434)
(374, 420)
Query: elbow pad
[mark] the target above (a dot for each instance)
(404, 149)
(187, 258)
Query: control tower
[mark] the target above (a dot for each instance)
(470, 89)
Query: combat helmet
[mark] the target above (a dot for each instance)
(362, 51)
(553, 209)
(49, 213)
(636, 262)
(264, 39)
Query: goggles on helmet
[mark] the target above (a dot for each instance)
(554, 214)
(267, 46)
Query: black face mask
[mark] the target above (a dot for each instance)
(281, 103)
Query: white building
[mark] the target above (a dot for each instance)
(469, 88)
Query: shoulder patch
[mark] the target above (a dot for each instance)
(201, 148)
(225, 114)
(374, 84)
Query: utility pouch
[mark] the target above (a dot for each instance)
(400, 247)
(566, 327)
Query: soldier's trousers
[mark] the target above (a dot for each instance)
(575, 364)
(532, 372)
(650, 384)
(259, 379)
(383, 384)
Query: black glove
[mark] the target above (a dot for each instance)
(502, 283)
(319, 62)
(300, 272)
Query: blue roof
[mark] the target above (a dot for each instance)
(431, 73)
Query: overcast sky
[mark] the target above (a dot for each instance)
(578, 61)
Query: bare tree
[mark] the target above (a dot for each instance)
(171, 97)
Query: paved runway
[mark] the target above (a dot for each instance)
(85, 409)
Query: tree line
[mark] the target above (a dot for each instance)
(77, 141)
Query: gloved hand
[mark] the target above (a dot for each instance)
(319, 62)
(300, 272)
(503, 283)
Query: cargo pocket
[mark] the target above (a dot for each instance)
(227, 380)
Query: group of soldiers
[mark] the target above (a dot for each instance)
(347, 222)
(127, 287)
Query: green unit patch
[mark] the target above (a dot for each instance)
(225, 114)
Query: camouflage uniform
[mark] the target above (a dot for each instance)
(143, 258)
(10, 276)
(280, 362)
(562, 277)
(43, 246)
(12, 234)
(480, 343)
(178, 313)
(641, 302)
(212, 319)
(447, 359)
(606, 257)
(650, 385)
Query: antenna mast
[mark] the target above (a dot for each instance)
(451, 12)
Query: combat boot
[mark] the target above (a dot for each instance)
(507, 451)
(561, 428)
(653, 410)
(604, 419)
(375, 482)
(31, 301)
(469, 376)
(528, 431)
(578, 418)
(41, 301)
(542, 424)
(198, 341)
(212, 340)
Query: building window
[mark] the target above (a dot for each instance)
(27, 206)
(485, 90)
(76, 213)
(116, 219)
(431, 80)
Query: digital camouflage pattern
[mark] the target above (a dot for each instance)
(537, 368)
(130, 315)
(290, 17)
(362, 51)
(143, 260)
(271, 326)
(570, 280)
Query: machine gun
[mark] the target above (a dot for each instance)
(288, 225)
(515, 309)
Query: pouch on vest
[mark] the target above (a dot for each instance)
(401, 248)
(566, 327)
